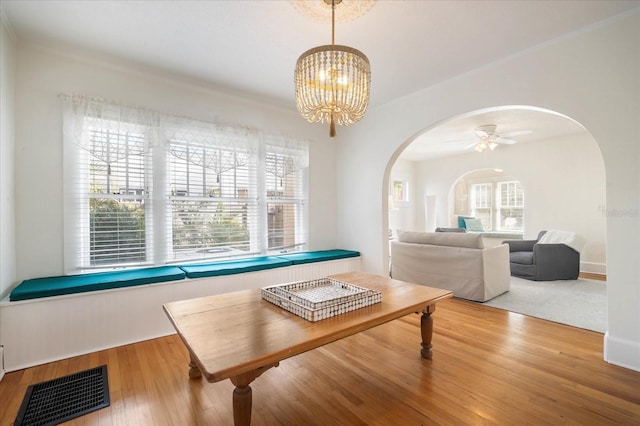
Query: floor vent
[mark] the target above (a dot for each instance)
(65, 398)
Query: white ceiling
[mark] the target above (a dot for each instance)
(251, 46)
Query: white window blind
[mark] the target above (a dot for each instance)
(142, 188)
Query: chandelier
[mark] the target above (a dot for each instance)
(332, 82)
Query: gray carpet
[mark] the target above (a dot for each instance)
(580, 303)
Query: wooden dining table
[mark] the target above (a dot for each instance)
(239, 335)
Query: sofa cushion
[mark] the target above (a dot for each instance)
(439, 229)
(69, 284)
(451, 239)
(318, 256)
(474, 225)
(521, 257)
(461, 219)
(199, 270)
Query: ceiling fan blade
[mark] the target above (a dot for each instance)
(505, 141)
(516, 133)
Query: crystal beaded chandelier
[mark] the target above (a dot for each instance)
(332, 82)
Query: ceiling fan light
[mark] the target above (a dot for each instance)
(492, 145)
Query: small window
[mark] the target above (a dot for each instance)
(481, 203)
(510, 208)
(400, 190)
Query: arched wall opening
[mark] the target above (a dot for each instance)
(592, 77)
(559, 166)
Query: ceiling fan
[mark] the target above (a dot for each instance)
(489, 139)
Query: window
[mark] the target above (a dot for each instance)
(510, 207)
(211, 213)
(116, 196)
(499, 205)
(285, 196)
(148, 189)
(481, 204)
(400, 190)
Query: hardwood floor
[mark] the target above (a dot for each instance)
(489, 367)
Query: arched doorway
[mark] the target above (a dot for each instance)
(558, 164)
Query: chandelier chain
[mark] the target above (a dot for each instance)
(333, 22)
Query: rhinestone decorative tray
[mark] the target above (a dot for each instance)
(319, 299)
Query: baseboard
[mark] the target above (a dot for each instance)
(624, 353)
(593, 276)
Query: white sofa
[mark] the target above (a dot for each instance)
(453, 261)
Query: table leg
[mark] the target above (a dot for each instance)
(194, 371)
(242, 398)
(242, 395)
(426, 329)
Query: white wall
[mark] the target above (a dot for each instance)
(7, 147)
(43, 74)
(593, 77)
(7, 142)
(563, 181)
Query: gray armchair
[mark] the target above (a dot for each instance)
(450, 229)
(543, 262)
